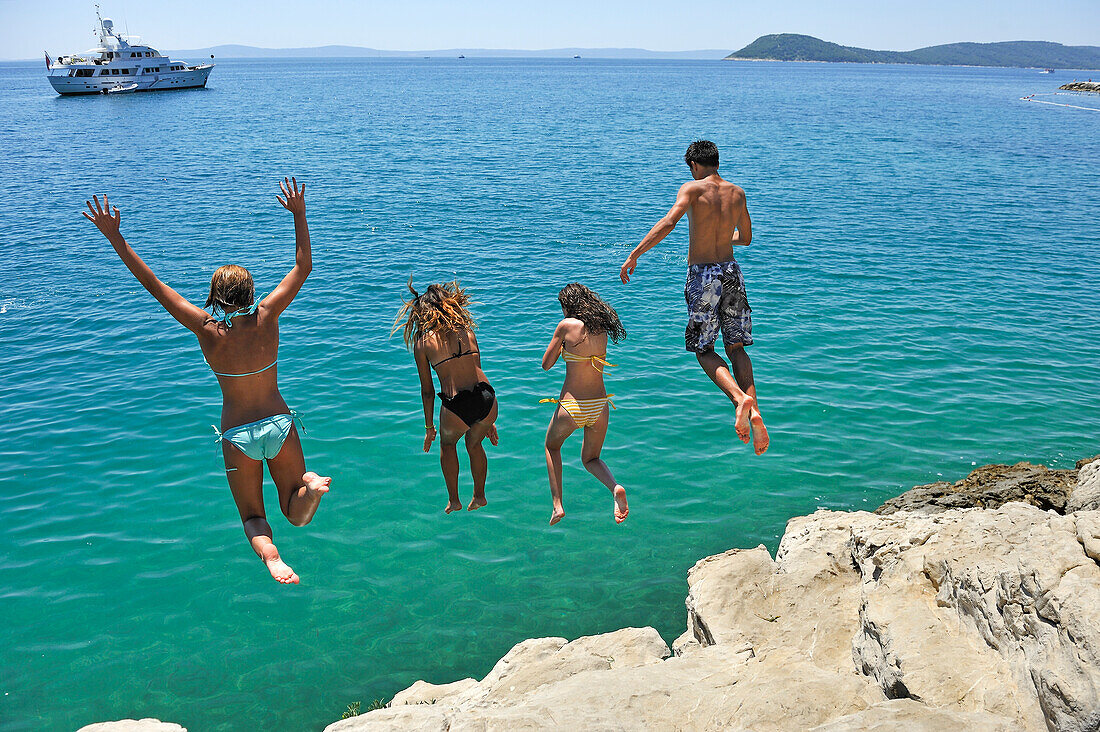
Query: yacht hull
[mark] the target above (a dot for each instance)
(66, 85)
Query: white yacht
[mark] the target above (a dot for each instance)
(121, 63)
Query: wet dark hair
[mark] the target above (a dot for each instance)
(702, 152)
(441, 309)
(577, 301)
(231, 288)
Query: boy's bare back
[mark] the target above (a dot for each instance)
(716, 211)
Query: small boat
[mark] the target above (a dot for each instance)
(121, 88)
(577, 56)
(461, 56)
(1047, 71)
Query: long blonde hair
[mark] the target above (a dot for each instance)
(441, 309)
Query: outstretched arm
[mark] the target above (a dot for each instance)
(190, 316)
(743, 236)
(295, 202)
(427, 394)
(554, 349)
(660, 230)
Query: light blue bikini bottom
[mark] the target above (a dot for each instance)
(262, 439)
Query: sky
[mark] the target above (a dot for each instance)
(28, 27)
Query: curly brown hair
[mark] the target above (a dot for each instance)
(441, 309)
(578, 301)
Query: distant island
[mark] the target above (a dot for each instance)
(239, 51)
(1023, 54)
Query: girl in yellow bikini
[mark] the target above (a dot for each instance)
(581, 341)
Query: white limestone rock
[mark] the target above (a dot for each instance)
(421, 692)
(1085, 496)
(976, 619)
(133, 725)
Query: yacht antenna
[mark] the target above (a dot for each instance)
(99, 31)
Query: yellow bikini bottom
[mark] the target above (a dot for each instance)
(585, 412)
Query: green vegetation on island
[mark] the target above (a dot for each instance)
(1038, 54)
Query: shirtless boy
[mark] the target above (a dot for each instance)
(718, 220)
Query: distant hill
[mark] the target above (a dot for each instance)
(238, 51)
(1026, 54)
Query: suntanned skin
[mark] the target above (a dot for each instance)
(251, 344)
(582, 381)
(454, 376)
(718, 220)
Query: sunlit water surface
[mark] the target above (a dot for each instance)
(924, 282)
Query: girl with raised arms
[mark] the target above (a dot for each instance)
(240, 340)
(581, 340)
(439, 328)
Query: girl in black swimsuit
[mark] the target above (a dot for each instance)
(440, 331)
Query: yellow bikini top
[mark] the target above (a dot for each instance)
(597, 362)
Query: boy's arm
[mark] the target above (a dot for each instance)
(743, 236)
(661, 229)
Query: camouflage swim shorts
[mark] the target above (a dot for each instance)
(716, 300)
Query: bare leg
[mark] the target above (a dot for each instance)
(561, 426)
(719, 373)
(246, 477)
(479, 464)
(742, 370)
(299, 492)
(594, 436)
(452, 429)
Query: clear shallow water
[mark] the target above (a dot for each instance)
(923, 277)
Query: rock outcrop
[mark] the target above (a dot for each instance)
(933, 618)
(133, 725)
(1085, 86)
(990, 486)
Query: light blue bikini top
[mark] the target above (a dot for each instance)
(221, 316)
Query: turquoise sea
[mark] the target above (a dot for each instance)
(923, 275)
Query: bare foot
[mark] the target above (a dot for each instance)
(558, 515)
(453, 506)
(278, 568)
(494, 438)
(741, 419)
(759, 433)
(476, 503)
(316, 486)
(621, 509)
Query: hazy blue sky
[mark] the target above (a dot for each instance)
(27, 27)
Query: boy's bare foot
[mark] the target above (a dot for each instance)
(759, 433)
(476, 503)
(621, 509)
(453, 506)
(278, 568)
(558, 515)
(494, 438)
(741, 419)
(316, 485)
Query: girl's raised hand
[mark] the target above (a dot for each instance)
(102, 218)
(293, 198)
